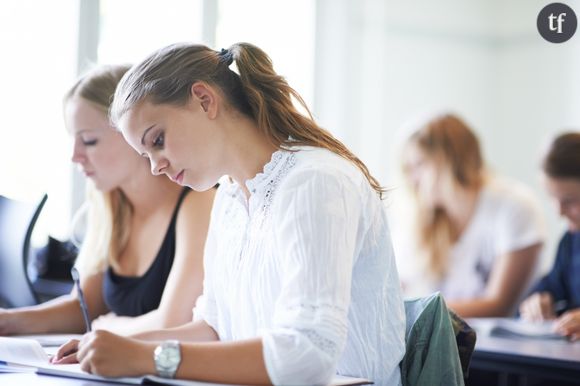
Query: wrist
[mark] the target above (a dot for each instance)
(146, 362)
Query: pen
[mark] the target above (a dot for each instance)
(84, 309)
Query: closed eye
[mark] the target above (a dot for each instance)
(159, 141)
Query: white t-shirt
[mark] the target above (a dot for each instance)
(507, 218)
(307, 264)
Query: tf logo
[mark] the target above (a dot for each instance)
(557, 22)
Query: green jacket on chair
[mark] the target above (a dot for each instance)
(431, 357)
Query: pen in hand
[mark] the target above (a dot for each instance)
(84, 309)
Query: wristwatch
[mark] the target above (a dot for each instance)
(167, 358)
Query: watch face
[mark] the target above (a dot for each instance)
(167, 356)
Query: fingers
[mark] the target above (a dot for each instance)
(94, 348)
(530, 309)
(526, 309)
(85, 345)
(66, 351)
(65, 360)
(546, 306)
(569, 324)
(538, 307)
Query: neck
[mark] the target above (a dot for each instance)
(148, 193)
(462, 208)
(247, 152)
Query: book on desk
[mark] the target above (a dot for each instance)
(28, 355)
(515, 328)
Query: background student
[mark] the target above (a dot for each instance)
(141, 257)
(557, 295)
(300, 276)
(476, 236)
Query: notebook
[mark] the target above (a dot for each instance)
(507, 327)
(21, 354)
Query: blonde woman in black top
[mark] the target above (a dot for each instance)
(141, 257)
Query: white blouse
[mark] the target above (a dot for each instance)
(507, 218)
(307, 265)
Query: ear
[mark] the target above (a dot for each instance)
(206, 97)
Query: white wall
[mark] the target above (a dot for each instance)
(537, 96)
(380, 64)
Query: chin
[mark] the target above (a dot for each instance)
(199, 186)
(103, 188)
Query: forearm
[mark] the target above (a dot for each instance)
(481, 307)
(240, 362)
(189, 332)
(61, 315)
(510, 274)
(126, 325)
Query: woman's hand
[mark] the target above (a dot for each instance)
(109, 355)
(538, 307)
(67, 353)
(569, 324)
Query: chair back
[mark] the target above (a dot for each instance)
(431, 356)
(17, 220)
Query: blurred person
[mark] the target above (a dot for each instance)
(476, 236)
(557, 295)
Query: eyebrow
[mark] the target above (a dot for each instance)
(145, 134)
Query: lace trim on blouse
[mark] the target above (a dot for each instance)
(324, 344)
(274, 171)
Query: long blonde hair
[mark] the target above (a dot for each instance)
(449, 142)
(167, 75)
(108, 213)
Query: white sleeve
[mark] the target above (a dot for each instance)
(317, 217)
(520, 223)
(205, 306)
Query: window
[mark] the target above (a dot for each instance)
(38, 40)
(283, 29)
(132, 29)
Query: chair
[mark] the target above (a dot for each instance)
(17, 220)
(50, 268)
(432, 355)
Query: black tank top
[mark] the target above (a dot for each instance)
(138, 295)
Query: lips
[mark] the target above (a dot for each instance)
(178, 178)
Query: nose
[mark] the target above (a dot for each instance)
(79, 154)
(158, 165)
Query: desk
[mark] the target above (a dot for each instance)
(525, 361)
